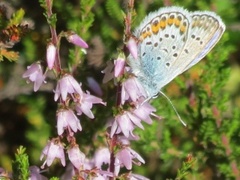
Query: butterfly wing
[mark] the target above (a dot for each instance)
(171, 41)
(206, 30)
(162, 36)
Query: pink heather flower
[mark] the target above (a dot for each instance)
(126, 126)
(94, 86)
(76, 156)
(84, 105)
(125, 157)
(132, 89)
(108, 71)
(66, 119)
(101, 156)
(67, 84)
(53, 150)
(77, 40)
(144, 111)
(35, 173)
(132, 46)
(125, 123)
(119, 65)
(51, 55)
(35, 74)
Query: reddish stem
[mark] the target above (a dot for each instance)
(112, 155)
(127, 33)
(128, 19)
(54, 39)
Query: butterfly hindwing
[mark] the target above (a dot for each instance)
(206, 30)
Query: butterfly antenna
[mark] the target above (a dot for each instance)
(179, 117)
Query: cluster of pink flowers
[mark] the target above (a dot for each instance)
(69, 90)
(73, 102)
(126, 121)
(35, 72)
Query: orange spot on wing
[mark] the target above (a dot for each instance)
(170, 21)
(183, 29)
(163, 24)
(177, 22)
(145, 35)
(155, 28)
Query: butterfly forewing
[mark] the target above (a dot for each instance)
(164, 36)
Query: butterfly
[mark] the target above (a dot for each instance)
(170, 41)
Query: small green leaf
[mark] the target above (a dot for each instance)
(20, 165)
(17, 17)
(52, 20)
(186, 167)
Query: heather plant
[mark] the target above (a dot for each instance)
(87, 114)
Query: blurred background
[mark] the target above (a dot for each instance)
(206, 97)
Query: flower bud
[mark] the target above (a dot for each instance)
(51, 55)
(119, 66)
(77, 40)
(132, 47)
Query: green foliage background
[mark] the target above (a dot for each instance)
(206, 97)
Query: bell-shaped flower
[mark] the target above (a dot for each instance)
(132, 47)
(76, 156)
(85, 104)
(125, 157)
(143, 112)
(35, 74)
(101, 156)
(132, 90)
(54, 149)
(66, 119)
(67, 85)
(125, 123)
(51, 55)
(119, 65)
(77, 40)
